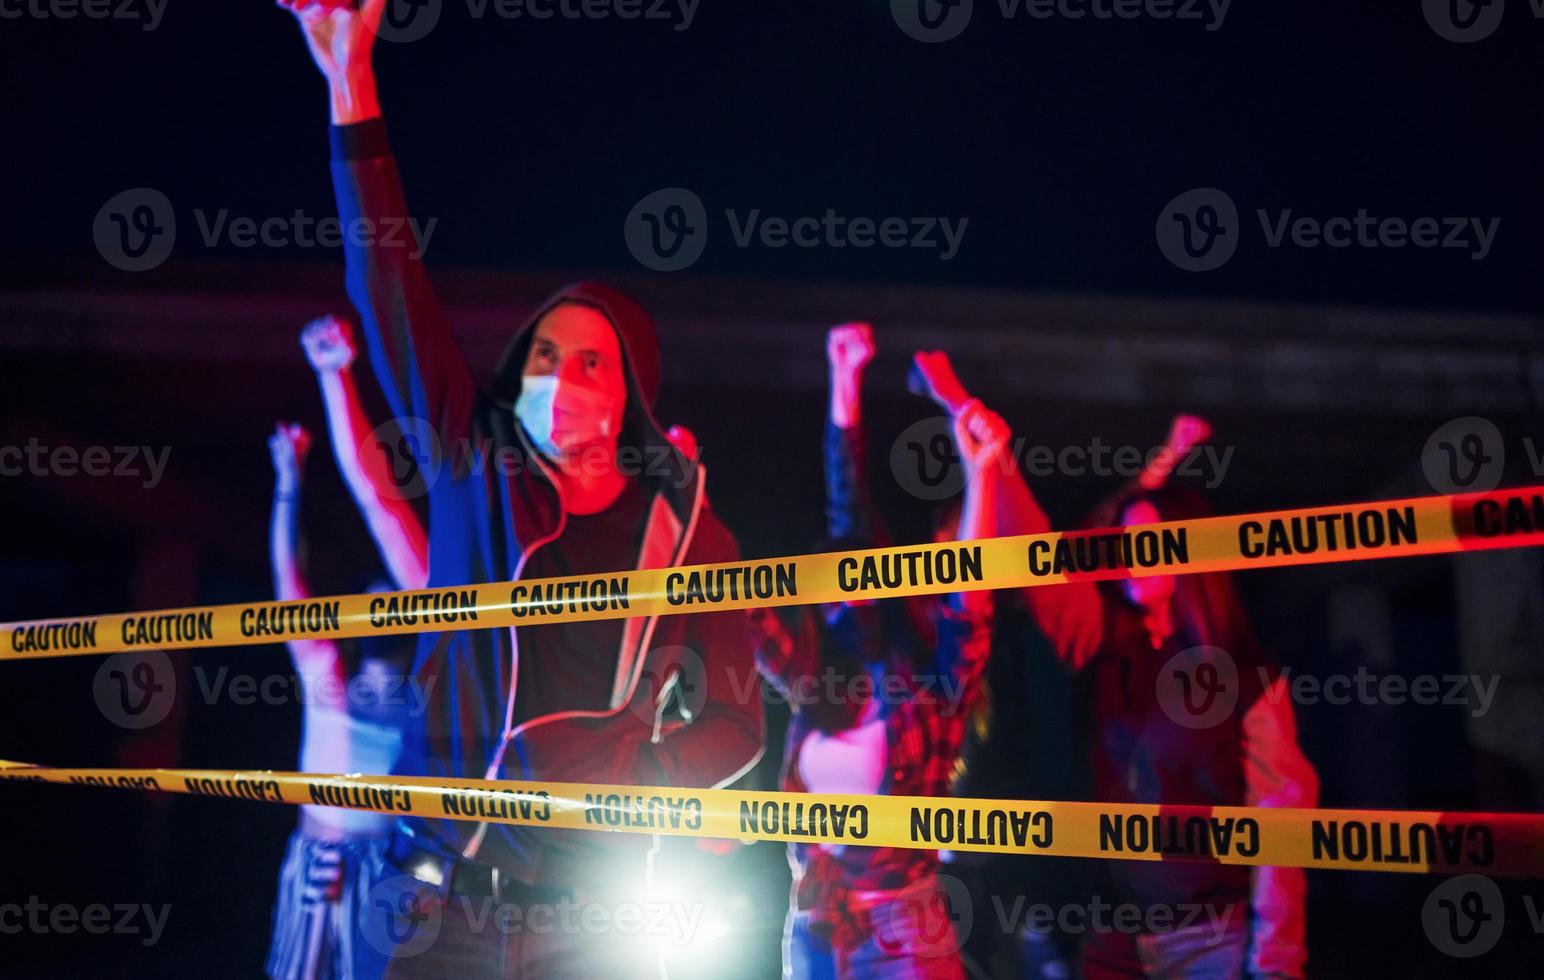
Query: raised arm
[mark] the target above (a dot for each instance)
(415, 357)
(317, 663)
(981, 438)
(1186, 432)
(850, 511)
(964, 621)
(1071, 615)
(365, 467)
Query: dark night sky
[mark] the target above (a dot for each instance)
(1060, 140)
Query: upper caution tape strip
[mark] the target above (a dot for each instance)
(1389, 529)
(1366, 840)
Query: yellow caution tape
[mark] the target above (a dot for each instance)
(1360, 840)
(1313, 535)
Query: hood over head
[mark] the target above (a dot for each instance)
(641, 367)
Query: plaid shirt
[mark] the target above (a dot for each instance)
(924, 733)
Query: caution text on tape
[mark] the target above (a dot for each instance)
(1388, 529)
(1366, 840)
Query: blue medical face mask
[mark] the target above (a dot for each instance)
(587, 414)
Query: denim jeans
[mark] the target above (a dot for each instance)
(1201, 952)
(898, 949)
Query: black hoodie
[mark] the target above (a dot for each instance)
(491, 504)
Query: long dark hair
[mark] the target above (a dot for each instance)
(1207, 607)
(895, 632)
(396, 651)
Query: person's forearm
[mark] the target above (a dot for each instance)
(283, 538)
(394, 526)
(1279, 944)
(978, 519)
(1277, 774)
(1071, 615)
(317, 663)
(846, 398)
(850, 510)
(353, 97)
(415, 356)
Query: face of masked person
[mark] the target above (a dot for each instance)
(1149, 591)
(574, 389)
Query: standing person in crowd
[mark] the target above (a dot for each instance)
(869, 911)
(353, 714)
(1134, 643)
(557, 467)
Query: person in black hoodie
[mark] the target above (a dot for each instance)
(558, 467)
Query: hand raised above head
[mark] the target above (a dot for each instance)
(329, 343)
(849, 347)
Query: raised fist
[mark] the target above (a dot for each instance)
(339, 33)
(329, 343)
(849, 347)
(289, 445)
(1187, 432)
(936, 373)
(981, 435)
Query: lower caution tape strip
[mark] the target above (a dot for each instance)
(1389, 529)
(1361, 840)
